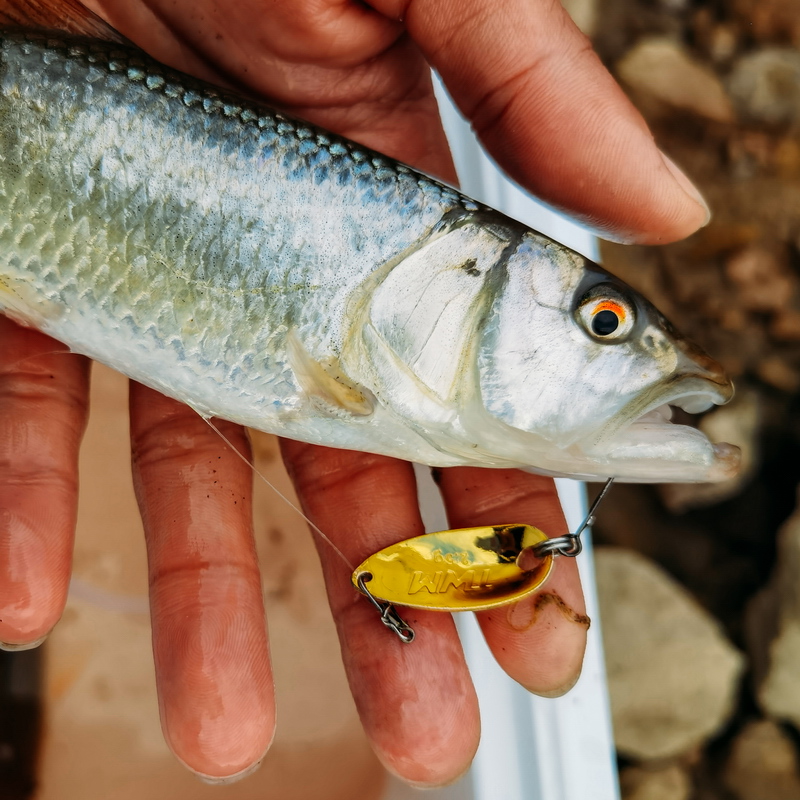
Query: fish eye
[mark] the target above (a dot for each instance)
(606, 314)
(605, 322)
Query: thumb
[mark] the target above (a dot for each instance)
(551, 114)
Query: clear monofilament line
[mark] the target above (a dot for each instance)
(277, 491)
(8, 368)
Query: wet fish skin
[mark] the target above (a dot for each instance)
(266, 271)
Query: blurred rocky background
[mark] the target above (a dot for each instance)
(700, 585)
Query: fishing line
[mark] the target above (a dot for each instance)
(10, 367)
(278, 492)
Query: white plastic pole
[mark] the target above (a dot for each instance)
(531, 748)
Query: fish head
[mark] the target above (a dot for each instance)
(587, 371)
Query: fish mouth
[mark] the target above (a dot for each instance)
(651, 447)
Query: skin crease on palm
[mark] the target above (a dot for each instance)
(553, 117)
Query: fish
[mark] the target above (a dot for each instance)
(265, 271)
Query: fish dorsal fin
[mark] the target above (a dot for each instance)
(427, 308)
(324, 384)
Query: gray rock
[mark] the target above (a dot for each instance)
(772, 628)
(762, 278)
(765, 85)
(672, 674)
(762, 764)
(659, 69)
(664, 783)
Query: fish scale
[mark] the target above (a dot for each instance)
(266, 271)
(215, 252)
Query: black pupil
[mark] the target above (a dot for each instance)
(605, 322)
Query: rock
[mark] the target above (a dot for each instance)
(751, 153)
(720, 238)
(667, 783)
(775, 371)
(770, 20)
(786, 157)
(718, 39)
(662, 70)
(763, 764)
(765, 85)
(737, 423)
(722, 42)
(673, 676)
(674, 6)
(785, 327)
(733, 319)
(761, 276)
(772, 629)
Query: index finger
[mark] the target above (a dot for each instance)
(550, 113)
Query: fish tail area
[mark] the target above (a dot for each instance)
(63, 15)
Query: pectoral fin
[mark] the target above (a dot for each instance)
(326, 387)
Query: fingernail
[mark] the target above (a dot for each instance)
(428, 785)
(560, 692)
(216, 780)
(687, 186)
(441, 785)
(18, 648)
(219, 780)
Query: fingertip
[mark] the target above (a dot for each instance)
(559, 691)
(417, 703)
(540, 641)
(553, 116)
(440, 766)
(29, 613)
(213, 780)
(221, 775)
(692, 192)
(219, 745)
(214, 678)
(18, 647)
(679, 206)
(431, 782)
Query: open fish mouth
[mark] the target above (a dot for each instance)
(653, 447)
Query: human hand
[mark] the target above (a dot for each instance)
(553, 117)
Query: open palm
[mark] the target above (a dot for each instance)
(553, 117)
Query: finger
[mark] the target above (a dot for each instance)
(43, 405)
(209, 633)
(268, 41)
(337, 64)
(416, 701)
(65, 15)
(553, 117)
(540, 640)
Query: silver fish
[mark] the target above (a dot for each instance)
(266, 271)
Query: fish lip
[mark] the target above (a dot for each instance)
(694, 393)
(688, 392)
(694, 457)
(691, 388)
